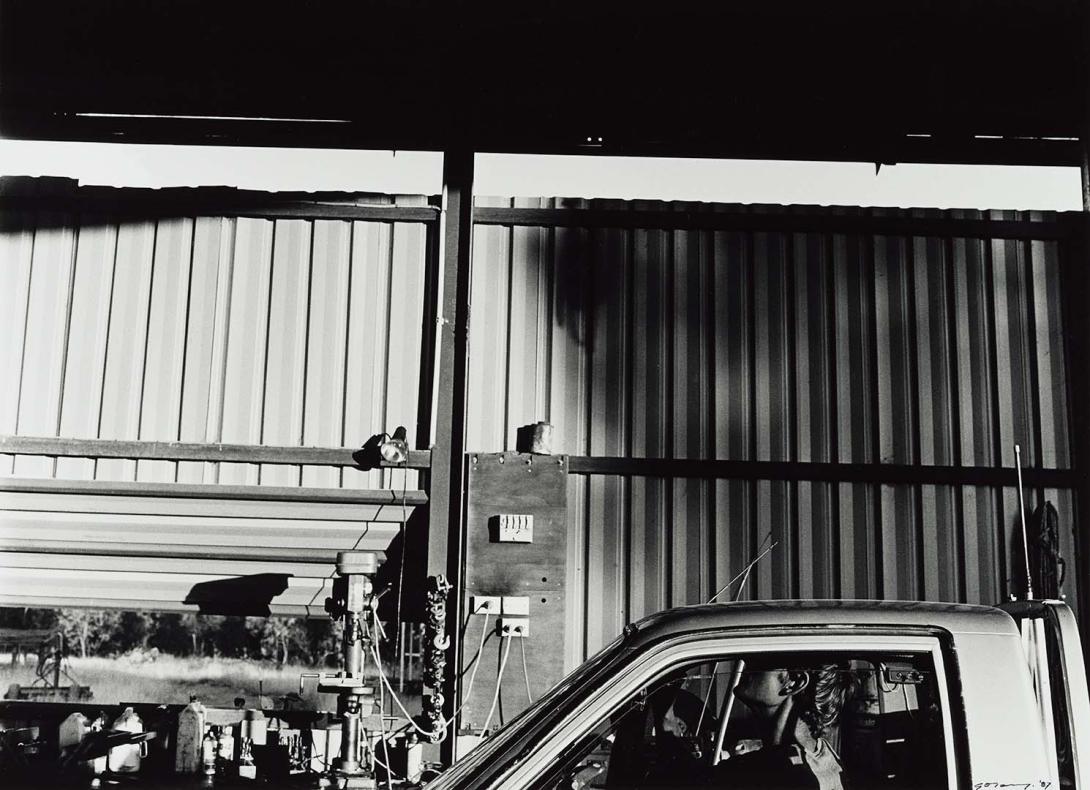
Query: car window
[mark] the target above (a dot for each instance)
(783, 720)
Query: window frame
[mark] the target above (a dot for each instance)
(672, 654)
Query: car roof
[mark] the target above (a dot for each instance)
(952, 617)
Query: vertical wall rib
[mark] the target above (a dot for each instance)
(853, 345)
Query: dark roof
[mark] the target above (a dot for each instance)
(951, 617)
(928, 80)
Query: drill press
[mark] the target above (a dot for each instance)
(353, 603)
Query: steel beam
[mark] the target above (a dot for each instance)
(445, 480)
(62, 447)
(883, 474)
(1074, 263)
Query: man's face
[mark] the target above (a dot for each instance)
(762, 689)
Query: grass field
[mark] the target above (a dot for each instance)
(170, 679)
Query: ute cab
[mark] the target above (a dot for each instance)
(923, 696)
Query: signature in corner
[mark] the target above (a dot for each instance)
(1041, 784)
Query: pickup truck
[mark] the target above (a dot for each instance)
(901, 695)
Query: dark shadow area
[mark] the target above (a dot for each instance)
(43, 203)
(400, 580)
(244, 596)
(368, 457)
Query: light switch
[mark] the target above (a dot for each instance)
(515, 605)
(515, 528)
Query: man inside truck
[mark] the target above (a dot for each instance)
(781, 719)
(797, 713)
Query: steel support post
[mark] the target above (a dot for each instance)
(445, 540)
(1075, 270)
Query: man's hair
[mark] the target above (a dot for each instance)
(829, 689)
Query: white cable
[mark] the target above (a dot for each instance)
(499, 683)
(382, 734)
(525, 671)
(393, 696)
(465, 697)
(473, 673)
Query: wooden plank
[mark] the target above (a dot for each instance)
(221, 492)
(192, 451)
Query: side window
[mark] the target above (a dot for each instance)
(770, 720)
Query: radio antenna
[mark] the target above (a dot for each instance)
(744, 573)
(1022, 516)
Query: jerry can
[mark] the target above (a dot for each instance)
(187, 746)
(126, 759)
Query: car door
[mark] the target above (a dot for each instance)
(1050, 639)
(674, 718)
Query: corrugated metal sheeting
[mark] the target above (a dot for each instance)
(676, 339)
(126, 315)
(243, 330)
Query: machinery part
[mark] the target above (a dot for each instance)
(435, 655)
(352, 603)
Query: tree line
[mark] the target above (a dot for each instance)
(108, 632)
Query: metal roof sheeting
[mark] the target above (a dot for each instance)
(831, 335)
(80, 547)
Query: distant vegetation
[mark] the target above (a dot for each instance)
(105, 632)
(167, 657)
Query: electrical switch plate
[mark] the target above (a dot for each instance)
(485, 604)
(517, 605)
(515, 528)
(514, 626)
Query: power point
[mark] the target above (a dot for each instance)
(515, 626)
(485, 604)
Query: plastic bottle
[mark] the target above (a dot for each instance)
(126, 759)
(188, 757)
(209, 745)
(72, 731)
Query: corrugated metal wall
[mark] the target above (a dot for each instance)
(245, 330)
(207, 316)
(662, 341)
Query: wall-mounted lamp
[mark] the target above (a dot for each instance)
(395, 450)
(382, 448)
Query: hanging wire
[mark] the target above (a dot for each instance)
(499, 683)
(382, 734)
(401, 569)
(525, 671)
(393, 695)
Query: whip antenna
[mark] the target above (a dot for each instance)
(1022, 516)
(745, 571)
